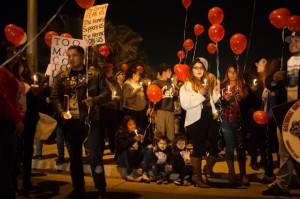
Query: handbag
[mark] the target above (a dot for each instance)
(45, 126)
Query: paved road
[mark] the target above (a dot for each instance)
(56, 185)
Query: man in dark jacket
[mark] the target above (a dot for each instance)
(77, 95)
(285, 82)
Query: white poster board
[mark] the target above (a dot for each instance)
(58, 58)
(93, 25)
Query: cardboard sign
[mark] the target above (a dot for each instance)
(93, 25)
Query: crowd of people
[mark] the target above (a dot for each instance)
(92, 104)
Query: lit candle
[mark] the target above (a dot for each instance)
(254, 82)
(141, 83)
(114, 93)
(35, 81)
(149, 83)
(204, 83)
(228, 89)
(135, 131)
(218, 81)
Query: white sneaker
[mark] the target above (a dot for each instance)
(130, 178)
(145, 177)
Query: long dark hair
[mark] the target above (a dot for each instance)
(240, 82)
(125, 121)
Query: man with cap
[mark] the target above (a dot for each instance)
(286, 83)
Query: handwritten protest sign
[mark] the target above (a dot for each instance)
(93, 25)
(58, 58)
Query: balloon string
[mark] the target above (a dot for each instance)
(29, 43)
(217, 61)
(282, 49)
(195, 47)
(186, 54)
(185, 22)
(250, 35)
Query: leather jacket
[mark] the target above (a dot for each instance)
(97, 89)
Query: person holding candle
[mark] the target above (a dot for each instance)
(236, 98)
(128, 154)
(261, 136)
(198, 100)
(134, 98)
(11, 118)
(112, 110)
(87, 91)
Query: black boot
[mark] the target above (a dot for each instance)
(197, 175)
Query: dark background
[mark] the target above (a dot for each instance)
(161, 23)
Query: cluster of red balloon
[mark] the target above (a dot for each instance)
(260, 117)
(104, 50)
(216, 31)
(211, 48)
(154, 93)
(85, 4)
(15, 34)
(186, 3)
(140, 69)
(124, 67)
(281, 18)
(182, 71)
(49, 34)
(238, 43)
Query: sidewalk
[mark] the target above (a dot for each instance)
(50, 154)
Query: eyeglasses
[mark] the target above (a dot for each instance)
(198, 68)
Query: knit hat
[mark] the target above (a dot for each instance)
(294, 34)
(203, 62)
(119, 73)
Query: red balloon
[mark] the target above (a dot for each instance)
(154, 93)
(85, 3)
(140, 69)
(104, 50)
(215, 15)
(182, 71)
(180, 54)
(279, 17)
(211, 48)
(198, 29)
(260, 117)
(15, 34)
(67, 35)
(48, 37)
(238, 43)
(294, 23)
(188, 44)
(186, 3)
(124, 67)
(216, 32)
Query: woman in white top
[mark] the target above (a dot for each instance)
(197, 97)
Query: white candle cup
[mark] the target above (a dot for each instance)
(255, 82)
(204, 83)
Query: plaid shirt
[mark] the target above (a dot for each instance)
(231, 112)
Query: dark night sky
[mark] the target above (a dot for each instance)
(161, 24)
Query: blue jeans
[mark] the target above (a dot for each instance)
(39, 147)
(60, 142)
(234, 139)
(147, 156)
(129, 159)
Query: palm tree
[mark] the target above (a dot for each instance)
(122, 41)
